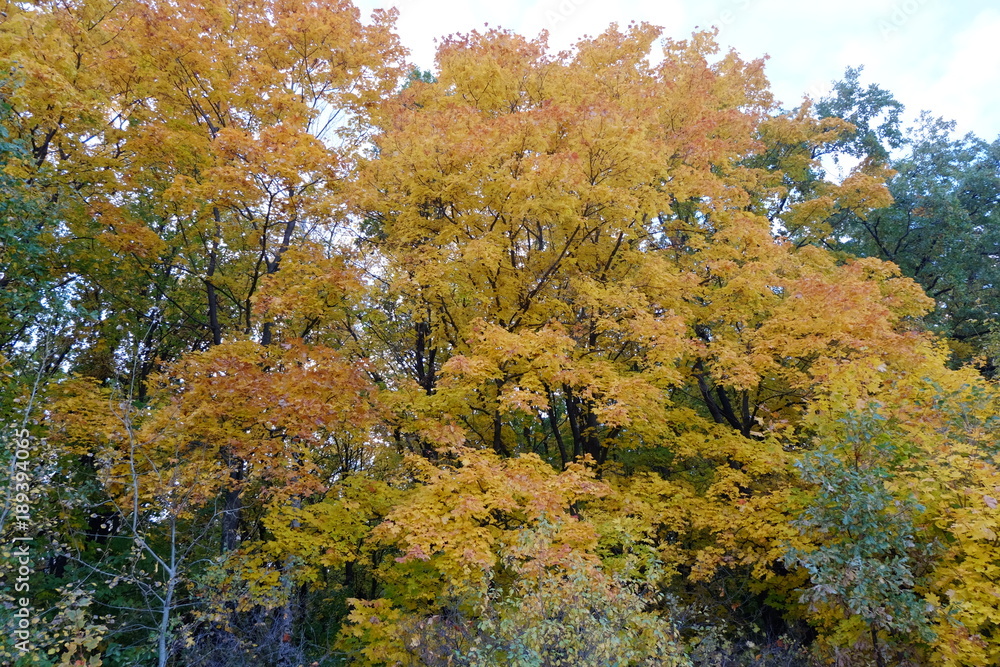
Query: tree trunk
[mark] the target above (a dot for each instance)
(232, 507)
(879, 661)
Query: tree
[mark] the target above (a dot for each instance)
(941, 230)
(940, 226)
(218, 140)
(873, 113)
(576, 256)
(494, 569)
(191, 148)
(571, 248)
(863, 561)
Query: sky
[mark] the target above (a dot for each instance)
(937, 55)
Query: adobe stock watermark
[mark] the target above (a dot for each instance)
(731, 12)
(558, 13)
(816, 90)
(19, 443)
(900, 14)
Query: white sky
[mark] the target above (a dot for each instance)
(939, 55)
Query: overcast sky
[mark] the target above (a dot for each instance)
(939, 55)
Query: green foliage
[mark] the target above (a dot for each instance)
(66, 632)
(874, 113)
(32, 293)
(23, 253)
(418, 75)
(861, 563)
(943, 224)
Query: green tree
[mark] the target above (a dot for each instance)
(942, 226)
(864, 535)
(874, 113)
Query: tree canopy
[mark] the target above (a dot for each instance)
(539, 358)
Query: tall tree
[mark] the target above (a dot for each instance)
(191, 147)
(942, 231)
(580, 245)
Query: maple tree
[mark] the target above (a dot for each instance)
(220, 136)
(610, 247)
(191, 148)
(584, 269)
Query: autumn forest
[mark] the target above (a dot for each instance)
(588, 358)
